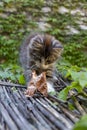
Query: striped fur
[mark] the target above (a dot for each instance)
(40, 52)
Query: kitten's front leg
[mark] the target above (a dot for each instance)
(50, 87)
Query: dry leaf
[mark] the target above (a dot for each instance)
(31, 86)
(37, 83)
(41, 84)
(30, 91)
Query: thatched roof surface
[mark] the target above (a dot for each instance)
(35, 113)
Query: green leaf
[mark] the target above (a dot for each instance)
(71, 107)
(68, 74)
(75, 75)
(7, 1)
(75, 85)
(82, 82)
(81, 124)
(52, 93)
(63, 94)
(21, 79)
(82, 79)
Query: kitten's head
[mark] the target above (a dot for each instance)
(53, 49)
(45, 47)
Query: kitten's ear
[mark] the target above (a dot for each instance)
(57, 45)
(36, 41)
(57, 48)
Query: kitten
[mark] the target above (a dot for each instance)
(40, 52)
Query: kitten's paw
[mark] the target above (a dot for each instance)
(50, 87)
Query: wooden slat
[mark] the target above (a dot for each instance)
(35, 113)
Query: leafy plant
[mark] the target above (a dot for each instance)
(73, 53)
(13, 73)
(18, 18)
(79, 81)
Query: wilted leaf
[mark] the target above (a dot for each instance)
(37, 83)
(30, 91)
(41, 84)
(31, 88)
